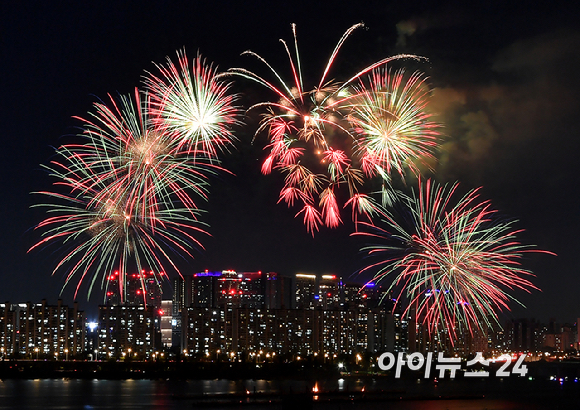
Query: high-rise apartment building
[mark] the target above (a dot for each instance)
(128, 329)
(41, 330)
(223, 290)
(306, 291)
(144, 288)
(165, 323)
(282, 331)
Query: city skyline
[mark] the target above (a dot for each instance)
(327, 319)
(248, 314)
(503, 81)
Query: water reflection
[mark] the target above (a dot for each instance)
(52, 394)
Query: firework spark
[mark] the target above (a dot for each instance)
(454, 263)
(336, 134)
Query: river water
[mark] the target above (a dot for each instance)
(49, 394)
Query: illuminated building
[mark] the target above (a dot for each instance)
(523, 335)
(178, 303)
(398, 332)
(127, 327)
(228, 288)
(329, 292)
(246, 289)
(327, 316)
(136, 323)
(249, 313)
(376, 296)
(560, 338)
(40, 330)
(306, 291)
(10, 315)
(140, 289)
(223, 289)
(454, 341)
(284, 331)
(54, 329)
(91, 339)
(352, 297)
(165, 323)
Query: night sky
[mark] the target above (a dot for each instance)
(505, 85)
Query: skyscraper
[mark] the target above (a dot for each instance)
(141, 288)
(306, 291)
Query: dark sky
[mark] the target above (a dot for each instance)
(505, 86)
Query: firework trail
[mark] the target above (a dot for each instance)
(340, 134)
(125, 194)
(454, 263)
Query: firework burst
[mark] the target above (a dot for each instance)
(454, 263)
(125, 195)
(194, 105)
(393, 127)
(339, 134)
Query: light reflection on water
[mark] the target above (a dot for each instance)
(61, 394)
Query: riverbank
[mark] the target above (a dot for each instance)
(153, 370)
(180, 370)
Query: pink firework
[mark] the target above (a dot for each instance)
(328, 140)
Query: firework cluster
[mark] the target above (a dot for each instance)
(127, 194)
(331, 138)
(451, 262)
